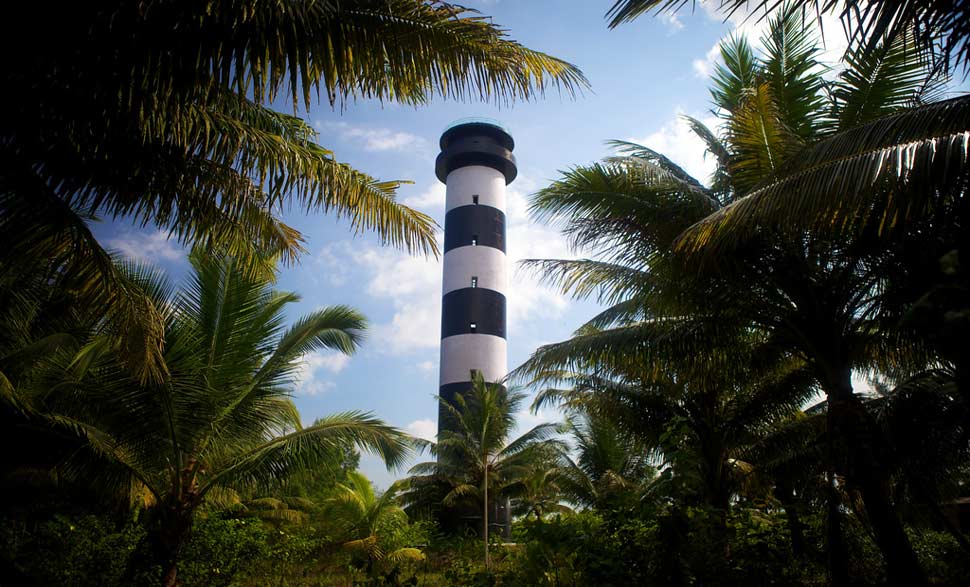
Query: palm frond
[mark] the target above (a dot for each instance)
(310, 447)
(896, 168)
(794, 74)
(881, 80)
(866, 22)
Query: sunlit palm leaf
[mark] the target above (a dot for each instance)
(897, 168)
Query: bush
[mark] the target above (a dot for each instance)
(71, 551)
(219, 550)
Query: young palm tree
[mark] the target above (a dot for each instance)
(608, 466)
(161, 113)
(477, 463)
(539, 491)
(221, 420)
(361, 511)
(697, 423)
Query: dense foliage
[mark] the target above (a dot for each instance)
(715, 433)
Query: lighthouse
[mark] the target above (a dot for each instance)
(475, 164)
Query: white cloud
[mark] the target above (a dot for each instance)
(308, 376)
(412, 285)
(414, 327)
(433, 197)
(149, 247)
(426, 366)
(704, 68)
(425, 428)
(671, 20)
(377, 139)
(527, 297)
(526, 420)
(676, 140)
(332, 263)
(312, 388)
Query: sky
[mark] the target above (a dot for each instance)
(643, 76)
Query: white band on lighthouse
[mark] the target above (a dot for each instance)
(464, 183)
(475, 267)
(463, 352)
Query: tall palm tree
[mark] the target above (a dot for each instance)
(477, 463)
(811, 296)
(222, 418)
(161, 113)
(832, 301)
(867, 21)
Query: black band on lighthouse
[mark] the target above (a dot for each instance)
(476, 144)
(482, 226)
(463, 308)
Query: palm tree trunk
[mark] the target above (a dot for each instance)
(850, 426)
(485, 516)
(796, 528)
(836, 553)
(167, 546)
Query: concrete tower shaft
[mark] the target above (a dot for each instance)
(475, 163)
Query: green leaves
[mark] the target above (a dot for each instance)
(221, 418)
(271, 462)
(882, 79)
(880, 175)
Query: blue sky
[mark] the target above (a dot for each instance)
(642, 74)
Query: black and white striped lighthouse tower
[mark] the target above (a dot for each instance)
(475, 163)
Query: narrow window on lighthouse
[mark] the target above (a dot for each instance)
(474, 240)
(475, 199)
(474, 281)
(472, 326)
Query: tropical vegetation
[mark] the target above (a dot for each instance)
(774, 391)
(834, 201)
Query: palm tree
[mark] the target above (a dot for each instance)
(161, 113)
(811, 296)
(477, 463)
(835, 302)
(362, 512)
(220, 421)
(539, 490)
(608, 465)
(697, 423)
(867, 21)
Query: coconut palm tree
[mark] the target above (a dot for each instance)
(220, 421)
(836, 302)
(163, 114)
(812, 296)
(357, 508)
(477, 463)
(608, 465)
(867, 21)
(539, 491)
(698, 424)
